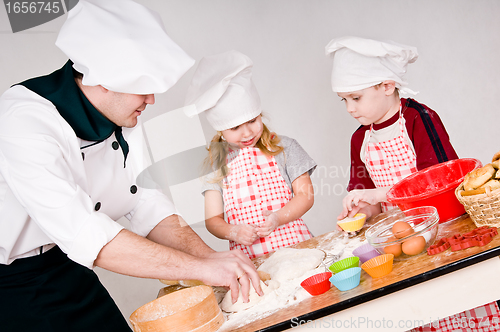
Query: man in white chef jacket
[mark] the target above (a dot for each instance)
(69, 160)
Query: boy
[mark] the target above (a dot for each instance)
(397, 137)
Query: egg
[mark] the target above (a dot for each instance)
(414, 245)
(401, 229)
(394, 249)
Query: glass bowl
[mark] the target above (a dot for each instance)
(424, 221)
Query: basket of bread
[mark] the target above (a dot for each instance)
(479, 193)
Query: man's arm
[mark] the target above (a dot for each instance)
(131, 254)
(175, 233)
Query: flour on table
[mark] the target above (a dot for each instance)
(290, 273)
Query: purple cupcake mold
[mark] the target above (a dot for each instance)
(365, 252)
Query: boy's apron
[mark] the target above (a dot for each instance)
(255, 184)
(390, 161)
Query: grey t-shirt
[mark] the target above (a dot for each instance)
(292, 163)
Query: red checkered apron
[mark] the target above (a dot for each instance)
(255, 184)
(390, 161)
(481, 319)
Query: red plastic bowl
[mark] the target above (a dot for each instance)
(434, 186)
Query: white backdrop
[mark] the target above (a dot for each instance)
(457, 75)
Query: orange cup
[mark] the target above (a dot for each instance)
(379, 266)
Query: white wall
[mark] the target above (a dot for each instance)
(457, 75)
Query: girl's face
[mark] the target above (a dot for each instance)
(244, 135)
(370, 105)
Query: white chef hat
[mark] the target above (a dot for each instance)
(222, 87)
(360, 63)
(122, 46)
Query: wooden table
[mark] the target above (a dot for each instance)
(457, 291)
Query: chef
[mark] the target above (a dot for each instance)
(70, 154)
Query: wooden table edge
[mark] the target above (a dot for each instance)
(377, 293)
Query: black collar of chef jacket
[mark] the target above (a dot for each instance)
(88, 123)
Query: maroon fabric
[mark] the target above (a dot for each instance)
(360, 178)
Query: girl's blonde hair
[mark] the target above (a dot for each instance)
(218, 150)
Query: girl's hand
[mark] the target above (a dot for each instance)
(243, 234)
(357, 199)
(271, 222)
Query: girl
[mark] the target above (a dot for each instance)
(260, 182)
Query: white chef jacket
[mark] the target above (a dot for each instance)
(57, 188)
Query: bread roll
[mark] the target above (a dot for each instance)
(493, 184)
(496, 156)
(496, 164)
(478, 177)
(472, 192)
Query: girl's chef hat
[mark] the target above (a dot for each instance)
(360, 63)
(222, 87)
(122, 46)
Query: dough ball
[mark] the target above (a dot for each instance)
(289, 263)
(253, 297)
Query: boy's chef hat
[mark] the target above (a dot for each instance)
(360, 63)
(222, 87)
(122, 46)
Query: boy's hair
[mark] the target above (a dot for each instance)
(218, 150)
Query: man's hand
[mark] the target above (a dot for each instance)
(232, 269)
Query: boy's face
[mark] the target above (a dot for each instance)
(371, 105)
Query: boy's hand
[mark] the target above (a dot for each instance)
(243, 234)
(357, 199)
(271, 222)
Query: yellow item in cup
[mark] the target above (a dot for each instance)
(352, 224)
